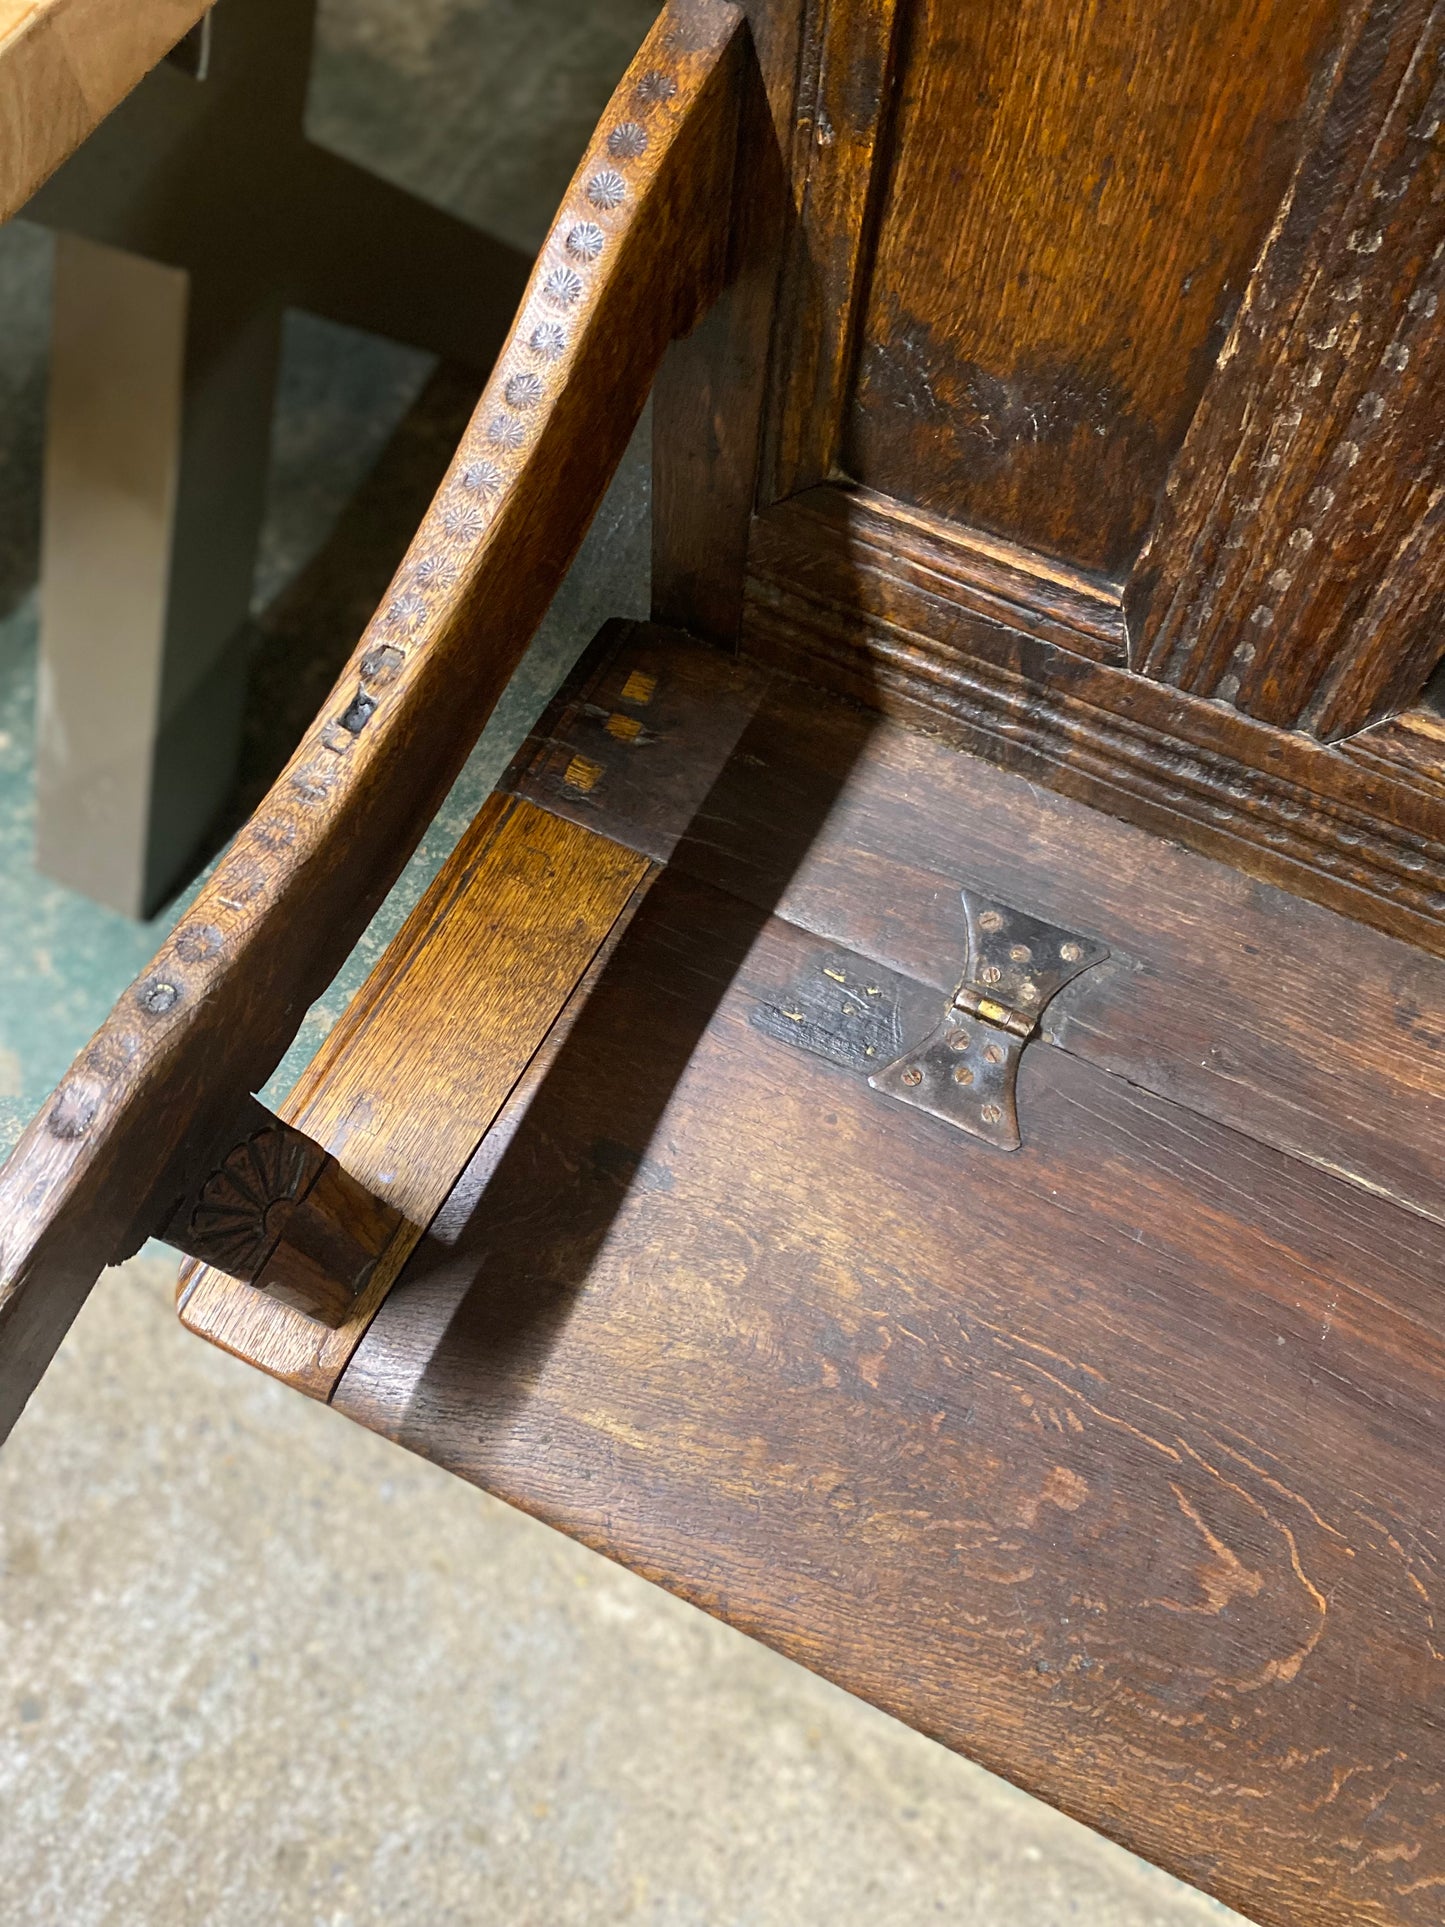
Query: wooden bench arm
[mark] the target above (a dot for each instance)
(150, 1108)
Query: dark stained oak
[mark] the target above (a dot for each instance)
(419, 1064)
(839, 155)
(865, 596)
(1298, 564)
(1073, 198)
(1235, 999)
(1113, 1463)
(708, 403)
(282, 1217)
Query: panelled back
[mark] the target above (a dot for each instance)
(1071, 200)
(1101, 425)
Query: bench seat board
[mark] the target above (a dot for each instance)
(1113, 1462)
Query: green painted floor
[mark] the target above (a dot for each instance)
(257, 1667)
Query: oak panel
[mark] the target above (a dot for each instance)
(424, 1055)
(1298, 565)
(1075, 195)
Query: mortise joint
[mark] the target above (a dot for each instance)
(359, 713)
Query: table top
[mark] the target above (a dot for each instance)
(64, 64)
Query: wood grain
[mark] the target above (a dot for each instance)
(1075, 194)
(839, 155)
(63, 65)
(839, 599)
(1113, 1464)
(1298, 565)
(707, 409)
(650, 720)
(1268, 1014)
(420, 1062)
(634, 256)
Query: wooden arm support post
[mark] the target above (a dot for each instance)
(279, 1213)
(634, 258)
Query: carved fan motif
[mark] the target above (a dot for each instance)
(229, 1224)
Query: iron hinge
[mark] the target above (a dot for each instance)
(966, 1070)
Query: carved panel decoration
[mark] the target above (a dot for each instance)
(1297, 569)
(244, 1207)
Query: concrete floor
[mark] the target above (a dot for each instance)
(255, 1664)
(260, 1668)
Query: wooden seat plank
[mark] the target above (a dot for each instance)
(1318, 1035)
(1111, 1463)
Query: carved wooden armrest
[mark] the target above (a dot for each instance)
(155, 1118)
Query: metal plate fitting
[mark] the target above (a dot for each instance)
(965, 1071)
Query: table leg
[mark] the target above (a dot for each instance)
(160, 411)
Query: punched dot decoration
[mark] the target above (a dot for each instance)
(482, 478)
(607, 190)
(562, 287)
(463, 522)
(406, 613)
(524, 391)
(627, 142)
(436, 572)
(584, 242)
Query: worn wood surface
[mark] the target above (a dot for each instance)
(709, 398)
(638, 736)
(408, 1081)
(64, 64)
(1113, 1463)
(1299, 561)
(839, 159)
(849, 595)
(1074, 195)
(1410, 746)
(1269, 1014)
(704, 1299)
(1298, 566)
(1061, 273)
(635, 254)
